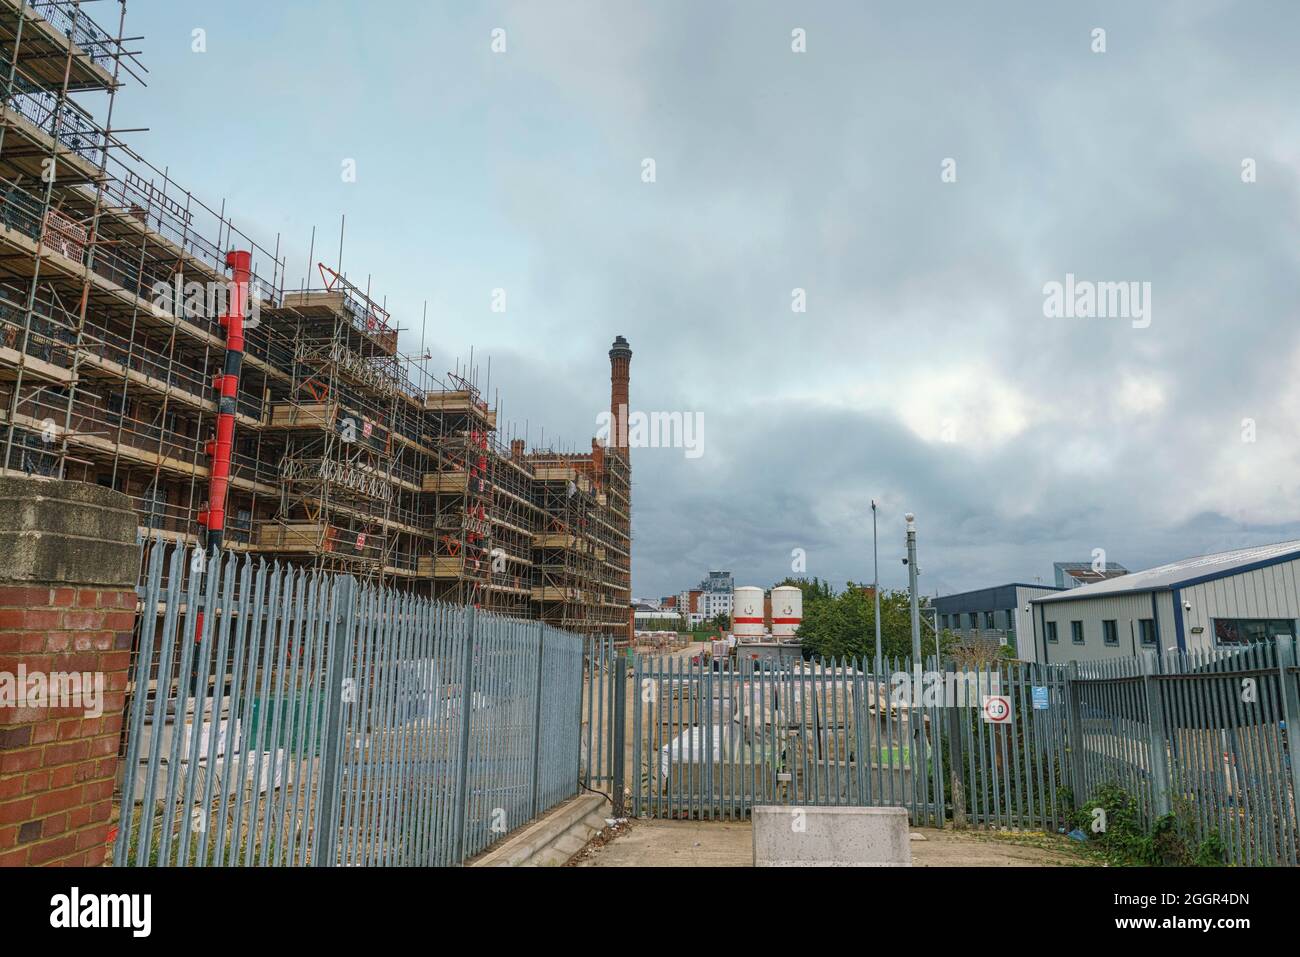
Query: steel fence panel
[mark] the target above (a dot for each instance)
(283, 716)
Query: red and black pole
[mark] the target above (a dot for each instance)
(213, 517)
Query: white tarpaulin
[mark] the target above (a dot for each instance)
(205, 735)
(705, 744)
(271, 762)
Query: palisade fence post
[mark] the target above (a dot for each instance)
(461, 808)
(583, 683)
(955, 766)
(637, 721)
(537, 724)
(1286, 661)
(1158, 760)
(619, 730)
(331, 755)
(1074, 743)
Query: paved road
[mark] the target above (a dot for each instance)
(652, 843)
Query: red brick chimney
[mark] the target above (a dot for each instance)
(620, 362)
(517, 449)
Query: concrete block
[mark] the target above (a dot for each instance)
(66, 532)
(569, 844)
(792, 836)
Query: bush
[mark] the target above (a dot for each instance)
(1122, 839)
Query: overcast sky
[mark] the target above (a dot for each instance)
(923, 372)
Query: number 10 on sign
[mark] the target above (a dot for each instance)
(997, 709)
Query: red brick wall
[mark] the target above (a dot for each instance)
(620, 373)
(57, 766)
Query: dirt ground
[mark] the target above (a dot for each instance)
(654, 843)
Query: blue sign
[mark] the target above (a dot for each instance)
(1040, 698)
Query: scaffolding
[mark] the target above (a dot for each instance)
(341, 440)
(581, 580)
(347, 455)
(100, 378)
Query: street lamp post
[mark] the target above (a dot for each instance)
(919, 743)
(875, 587)
(911, 587)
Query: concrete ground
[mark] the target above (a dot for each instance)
(654, 843)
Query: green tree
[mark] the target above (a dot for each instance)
(814, 589)
(844, 625)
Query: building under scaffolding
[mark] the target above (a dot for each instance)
(346, 455)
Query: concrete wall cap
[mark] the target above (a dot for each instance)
(59, 532)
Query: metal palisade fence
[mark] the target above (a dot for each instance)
(713, 741)
(600, 669)
(281, 716)
(1198, 736)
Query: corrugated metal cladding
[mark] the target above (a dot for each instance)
(1026, 647)
(1125, 610)
(1269, 592)
(1184, 615)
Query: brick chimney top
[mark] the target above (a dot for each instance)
(620, 364)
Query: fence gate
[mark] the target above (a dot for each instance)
(711, 741)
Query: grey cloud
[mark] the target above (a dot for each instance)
(821, 171)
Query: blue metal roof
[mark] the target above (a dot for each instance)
(984, 599)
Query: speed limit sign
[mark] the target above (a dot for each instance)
(997, 709)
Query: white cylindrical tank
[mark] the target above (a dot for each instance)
(747, 613)
(787, 612)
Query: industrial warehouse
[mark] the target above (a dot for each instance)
(1229, 600)
(276, 421)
